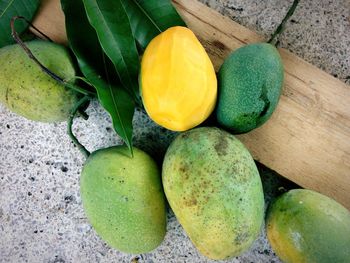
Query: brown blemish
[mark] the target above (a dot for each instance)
(7, 95)
(183, 169)
(221, 147)
(185, 135)
(186, 176)
(232, 170)
(241, 238)
(190, 202)
(205, 184)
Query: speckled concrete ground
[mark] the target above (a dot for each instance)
(41, 217)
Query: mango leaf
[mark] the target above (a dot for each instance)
(11, 8)
(98, 69)
(148, 18)
(112, 26)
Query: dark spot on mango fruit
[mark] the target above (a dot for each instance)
(221, 146)
(222, 184)
(250, 85)
(32, 93)
(117, 191)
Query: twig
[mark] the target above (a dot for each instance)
(43, 68)
(280, 28)
(83, 114)
(35, 28)
(74, 111)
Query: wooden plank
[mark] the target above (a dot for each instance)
(50, 20)
(308, 137)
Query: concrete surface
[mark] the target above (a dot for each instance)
(41, 217)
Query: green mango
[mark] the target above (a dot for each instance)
(213, 186)
(307, 227)
(250, 85)
(26, 90)
(123, 199)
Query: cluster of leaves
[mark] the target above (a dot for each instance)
(107, 38)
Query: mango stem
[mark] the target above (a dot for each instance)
(43, 68)
(281, 27)
(74, 111)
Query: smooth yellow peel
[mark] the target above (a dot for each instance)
(178, 81)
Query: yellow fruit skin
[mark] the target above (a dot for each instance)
(214, 188)
(178, 81)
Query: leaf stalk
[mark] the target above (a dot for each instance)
(281, 27)
(74, 111)
(43, 68)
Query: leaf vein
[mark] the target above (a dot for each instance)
(113, 99)
(6, 8)
(146, 14)
(111, 36)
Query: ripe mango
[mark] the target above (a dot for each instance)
(213, 186)
(178, 82)
(123, 199)
(250, 85)
(304, 226)
(28, 91)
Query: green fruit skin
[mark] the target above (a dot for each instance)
(28, 91)
(307, 227)
(250, 85)
(213, 186)
(123, 199)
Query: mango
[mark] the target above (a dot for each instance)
(178, 82)
(213, 186)
(250, 85)
(123, 199)
(28, 91)
(304, 226)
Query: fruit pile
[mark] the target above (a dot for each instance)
(208, 177)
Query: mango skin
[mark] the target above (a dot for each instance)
(213, 186)
(250, 85)
(28, 91)
(304, 226)
(123, 199)
(178, 81)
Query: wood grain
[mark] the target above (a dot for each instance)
(308, 137)
(50, 20)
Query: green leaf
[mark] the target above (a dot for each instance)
(98, 69)
(150, 18)
(11, 8)
(112, 26)
(119, 104)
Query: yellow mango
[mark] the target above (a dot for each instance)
(178, 81)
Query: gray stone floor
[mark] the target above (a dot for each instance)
(41, 217)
